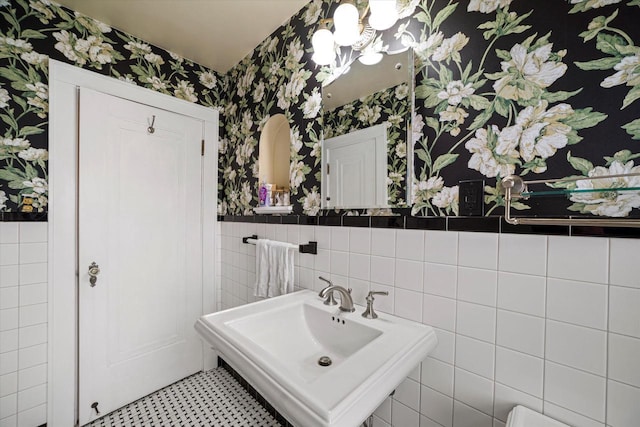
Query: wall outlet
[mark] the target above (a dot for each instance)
(471, 198)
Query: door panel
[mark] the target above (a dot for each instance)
(354, 167)
(139, 220)
(357, 169)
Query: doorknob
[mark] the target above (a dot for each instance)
(94, 270)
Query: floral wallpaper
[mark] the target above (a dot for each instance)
(33, 31)
(390, 106)
(542, 90)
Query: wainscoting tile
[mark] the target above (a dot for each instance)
(475, 356)
(436, 406)
(478, 250)
(506, 398)
(624, 317)
(578, 258)
(441, 247)
(576, 390)
(576, 346)
(581, 303)
(625, 268)
(623, 408)
(410, 244)
(476, 321)
(474, 391)
(437, 375)
(525, 254)
(569, 417)
(522, 293)
(383, 242)
(624, 359)
(440, 279)
(521, 332)
(466, 416)
(519, 371)
(477, 285)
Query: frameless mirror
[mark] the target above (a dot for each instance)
(366, 129)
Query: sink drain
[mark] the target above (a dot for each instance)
(324, 361)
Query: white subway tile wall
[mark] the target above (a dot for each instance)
(548, 322)
(23, 324)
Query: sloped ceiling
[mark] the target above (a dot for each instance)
(214, 33)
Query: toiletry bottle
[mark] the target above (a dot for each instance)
(268, 201)
(262, 194)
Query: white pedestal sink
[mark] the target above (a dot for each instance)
(276, 345)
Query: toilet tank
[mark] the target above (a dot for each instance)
(525, 417)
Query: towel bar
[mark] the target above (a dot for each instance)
(309, 248)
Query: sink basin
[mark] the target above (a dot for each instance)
(276, 344)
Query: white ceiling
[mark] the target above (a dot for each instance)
(214, 33)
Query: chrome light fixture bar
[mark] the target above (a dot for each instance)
(350, 29)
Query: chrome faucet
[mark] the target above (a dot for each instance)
(346, 303)
(330, 300)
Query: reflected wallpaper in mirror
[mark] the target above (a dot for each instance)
(368, 95)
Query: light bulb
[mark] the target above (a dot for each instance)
(322, 42)
(346, 21)
(384, 14)
(370, 57)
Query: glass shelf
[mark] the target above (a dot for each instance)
(568, 192)
(515, 188)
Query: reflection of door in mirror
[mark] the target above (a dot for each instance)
(274, 153)
(355, 166)
(367, 96)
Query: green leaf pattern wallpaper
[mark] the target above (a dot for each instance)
(540, 89)
(545, 89)
(33, 31)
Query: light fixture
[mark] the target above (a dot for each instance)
(350, 29)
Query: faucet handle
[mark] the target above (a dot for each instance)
(368, 312)
(329, 300)
(372, 293)
(326, 280)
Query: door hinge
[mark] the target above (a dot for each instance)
(328, 168)
(202, 148)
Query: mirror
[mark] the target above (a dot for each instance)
(366, 127)
(274, 157)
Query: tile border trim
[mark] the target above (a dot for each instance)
(488, 224)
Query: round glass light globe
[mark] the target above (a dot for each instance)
(384, 13)
(322, 58)
(370, 58)
(322, 41)
(346, 19)
(382, 22)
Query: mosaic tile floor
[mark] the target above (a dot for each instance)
(212, 398)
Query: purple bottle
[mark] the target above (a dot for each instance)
(262, 194)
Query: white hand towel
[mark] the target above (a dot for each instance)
(262, 268)
(281, 269)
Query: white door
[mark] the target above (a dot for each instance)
(140, 221)
(356, 169)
